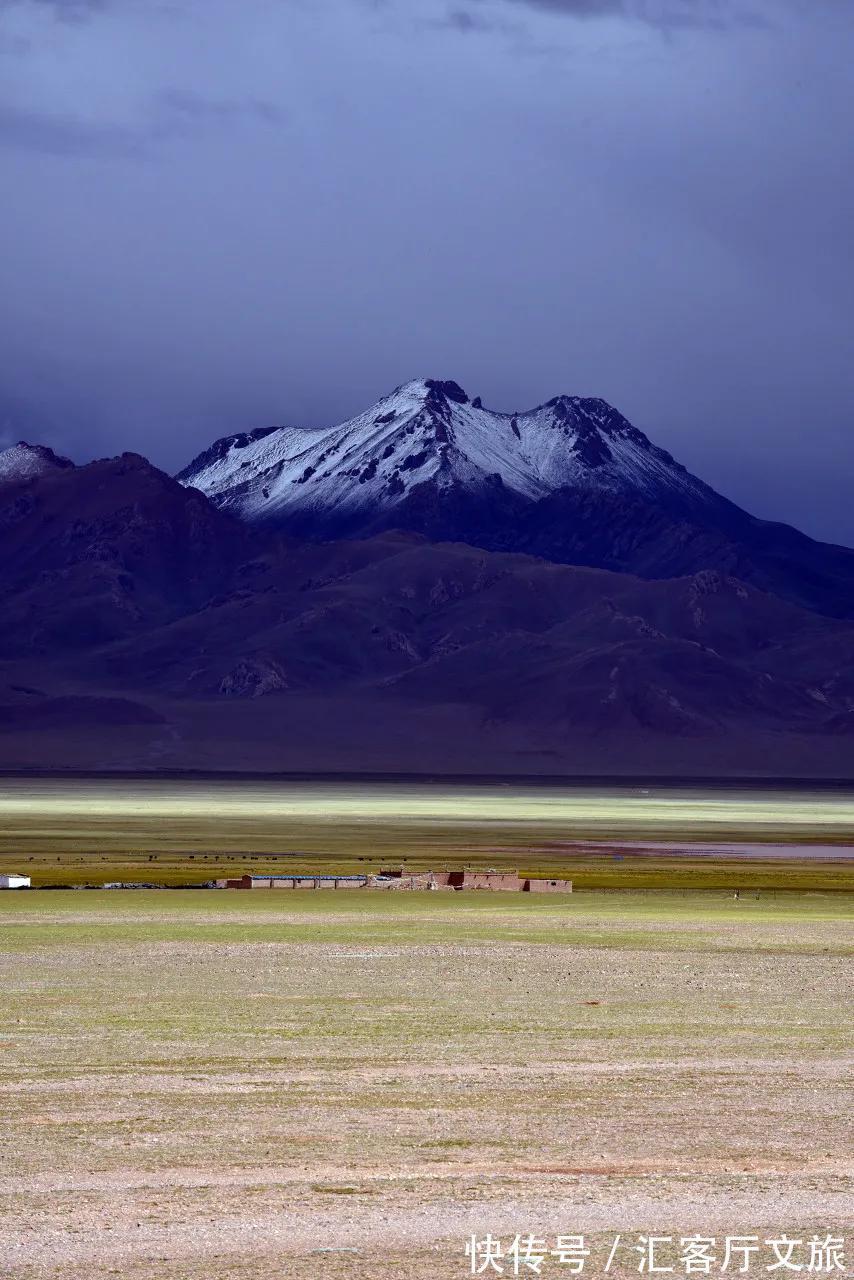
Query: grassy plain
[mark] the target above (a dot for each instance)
(201, 1086)
(92, 832)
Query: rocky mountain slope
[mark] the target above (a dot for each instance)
(145, 628)
(24, 461)
(429, 432)
(572, 481)
(90, 554)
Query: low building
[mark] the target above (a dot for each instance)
(505, 881)
(410, 880)
(12, 880)
(295, 882)
(502, 880)
(547, 886)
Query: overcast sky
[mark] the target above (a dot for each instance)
(220, 214)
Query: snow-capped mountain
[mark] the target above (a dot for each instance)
(24, 461)
(429, 436)
(571, 481)
(144, 628)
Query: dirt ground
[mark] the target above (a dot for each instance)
(208, 1086)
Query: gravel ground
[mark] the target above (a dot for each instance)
(248, 1108)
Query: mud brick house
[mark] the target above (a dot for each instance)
(506, 880)
(411, 880)
(547, 886)
(294, 882)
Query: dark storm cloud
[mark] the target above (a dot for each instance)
(666, 14)
(58, 136)
(173, 114)
(579, 8)
(192, 106)
(221, 214)
(466, 21)
(166, 115)
(478, 22)
(67, 10)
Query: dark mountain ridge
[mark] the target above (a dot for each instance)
(571, 481)
(145, 628)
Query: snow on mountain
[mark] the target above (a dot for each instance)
(26, 461)
(571, 481)
(429, 433)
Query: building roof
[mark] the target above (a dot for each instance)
(306, 875)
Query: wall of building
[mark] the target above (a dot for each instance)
(294, 882)
(14, 882)
(547, 886)
(506, 880)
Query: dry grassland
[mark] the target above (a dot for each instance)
(62, 832)
(201, 1086)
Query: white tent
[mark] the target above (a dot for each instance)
(12, 880)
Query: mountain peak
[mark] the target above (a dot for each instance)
(24, 461)
(446, 390)
(431, 389)
(425, 446)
